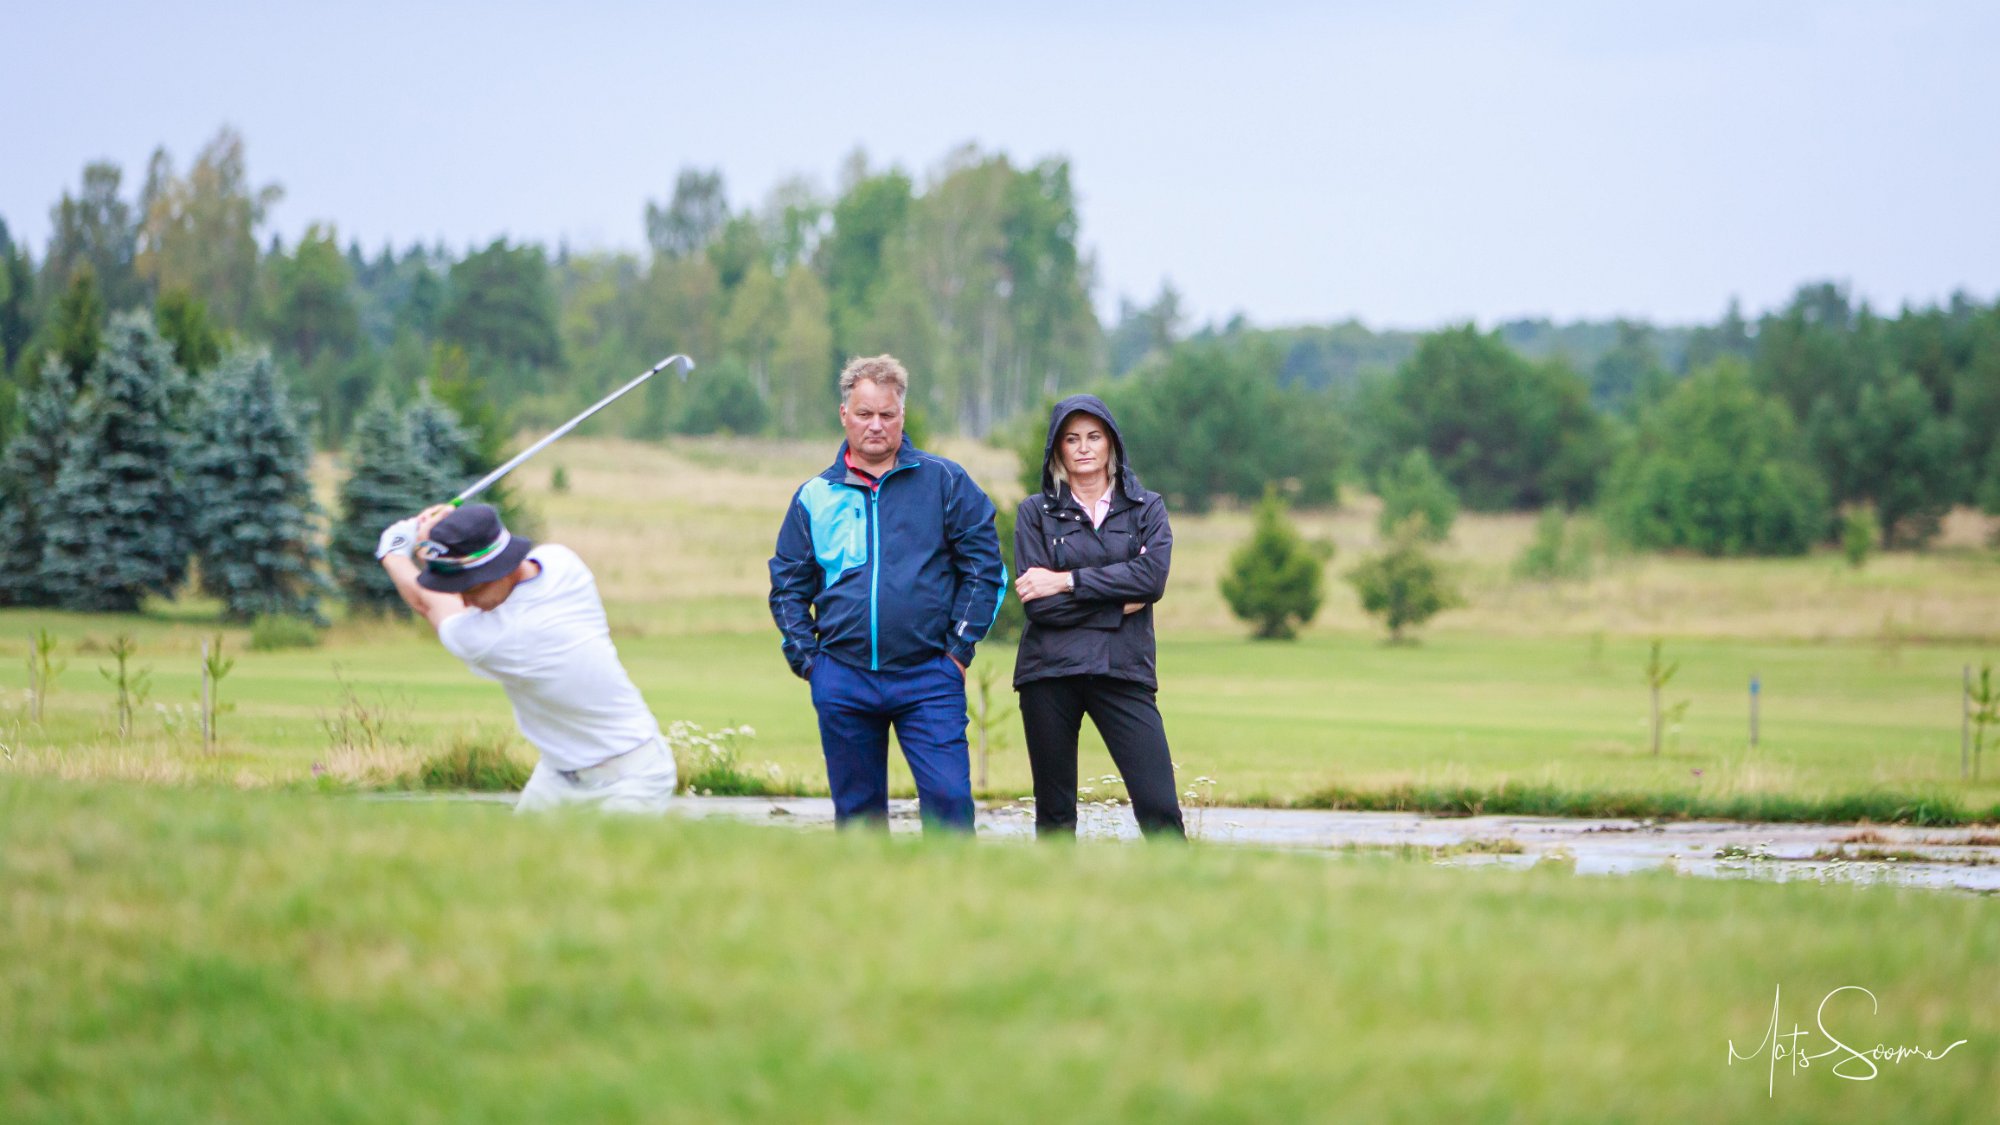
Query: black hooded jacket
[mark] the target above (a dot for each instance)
(1087, 631)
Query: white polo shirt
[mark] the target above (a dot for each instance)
(550, 647)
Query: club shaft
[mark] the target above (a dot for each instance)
(486, 482)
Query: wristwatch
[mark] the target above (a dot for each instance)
(1071, 575)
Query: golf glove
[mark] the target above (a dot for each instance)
(399, 538)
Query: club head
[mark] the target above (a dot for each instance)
(684, 364)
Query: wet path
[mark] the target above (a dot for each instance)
(1946, 858)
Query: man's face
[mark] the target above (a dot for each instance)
(873, 420)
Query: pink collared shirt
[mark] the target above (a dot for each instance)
(1100, 509)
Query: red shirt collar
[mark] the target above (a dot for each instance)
(873, 480)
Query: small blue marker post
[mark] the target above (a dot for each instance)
(1756, 689)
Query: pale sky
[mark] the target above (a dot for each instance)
(1406, 163)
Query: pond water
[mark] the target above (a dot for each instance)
(1965, 859)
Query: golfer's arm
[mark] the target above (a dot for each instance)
(427, 604)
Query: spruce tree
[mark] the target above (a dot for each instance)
(27, 479)
(483, 424)
(78, 331)
(386, 482)
(115, 521)
(255, 525)
(442, 447)
(1414, 487)
(1275, 581)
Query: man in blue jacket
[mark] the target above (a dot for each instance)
(887, 575)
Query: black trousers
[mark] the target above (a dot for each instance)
(1052, 713)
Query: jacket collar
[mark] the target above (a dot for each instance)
(1062, 499)
(839, 473)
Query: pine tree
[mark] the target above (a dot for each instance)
(485, 427)
(441, 446)
(385, 482)
(115, 520)
(255, 525)
(1275, 580)
(1403, 585)
(78, 332)
(27, 478)
(1414, 487)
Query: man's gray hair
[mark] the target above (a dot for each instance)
(883, 370)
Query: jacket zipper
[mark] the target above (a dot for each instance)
(875, 568)
(874, 576)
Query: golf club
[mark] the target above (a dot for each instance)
(483, 483)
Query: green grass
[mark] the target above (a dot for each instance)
(287, 956)
(1532, 696)
(1510, 799)
(1333, 718)
(477, 761)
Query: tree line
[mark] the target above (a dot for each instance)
(972, 275)
(1753, 434)
(131, 476)
(1756, 437)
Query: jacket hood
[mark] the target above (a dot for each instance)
(1128, 481)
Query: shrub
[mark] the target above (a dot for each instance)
(725, 402)
(1403, 585)
(1275, 581)
(271, 632)
(1858, 533)
(477, 761)
(1718, 468)
(559, 480)
(1556, 553)
(1413, 488)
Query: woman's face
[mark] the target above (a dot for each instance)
(1084, 446)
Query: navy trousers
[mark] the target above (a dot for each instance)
(926, 705)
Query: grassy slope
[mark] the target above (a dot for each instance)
(1530, 686)
(1266, 721)
(222, 956)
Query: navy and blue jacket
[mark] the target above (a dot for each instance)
(891, 576)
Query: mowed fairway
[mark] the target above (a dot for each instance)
(214, 955)
(1528, 685)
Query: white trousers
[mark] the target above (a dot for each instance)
(645, 784)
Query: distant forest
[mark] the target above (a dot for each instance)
(975, 273)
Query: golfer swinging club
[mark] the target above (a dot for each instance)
(530, 618)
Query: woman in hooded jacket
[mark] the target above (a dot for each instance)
(1093, 547)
